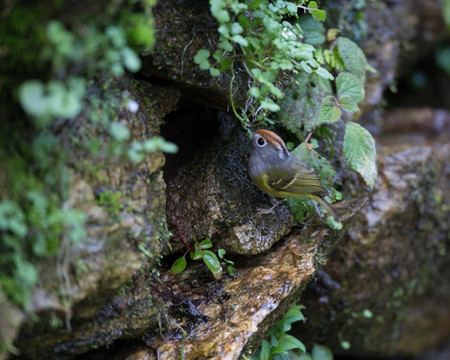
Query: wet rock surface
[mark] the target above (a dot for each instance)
(131, 212)
(183, 27)
(385, 289)
(209, 193)
(399, 237)
(226, 319)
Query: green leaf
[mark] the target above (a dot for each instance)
(12, 218)
(131, 60)
(201, 58)
(332, 223)
(198, 253)
(348, 104)
(270, 105)
(206, 244)
(226, 45)
(329, 112)
(345, 345)
(26, 273)
(313, 31)
(348, 85)
(295, 310)
(446, 13)
(360, 152)
(214, 72)
(286, 64)
(265, 350)
(367, 314)
(319, 15)
(32, 98)
(230, 270)
(168, 147)
(321, 352)
(178, 266)
(306, 67)
(225, 64)
(154, 144)
(218, 11)
(119, 131)
(238, 39)
(236, 28)
(255, 92)
(289, 342)
(213, 263)
(324, 73)
(352, 56)
(221, 253)
(244, 21)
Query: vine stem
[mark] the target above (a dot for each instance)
(183, 239)
(241, 119)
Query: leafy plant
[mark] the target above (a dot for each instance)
(255, 34)
(279, 343)
(283, 346)
(294, 65)
(318, 352)
(200, 252)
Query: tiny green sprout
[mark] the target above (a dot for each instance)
(229, 263)
(344, 344)
(333, 224)
(368, 314)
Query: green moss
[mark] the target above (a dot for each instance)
(35, 164)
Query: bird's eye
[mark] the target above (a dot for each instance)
(261, 142)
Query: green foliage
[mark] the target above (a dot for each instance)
(211, 260)
(442, 56)
(280, 344)
(111, 201)
(446, 13)
(53, 100)
(34, 176)
(303, 208)
(318, 352)
(137, 149)
(273, 42)
(350, 92)
(360, 152)
(257, 35)
(352, 56)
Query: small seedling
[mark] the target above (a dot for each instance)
(200, 252)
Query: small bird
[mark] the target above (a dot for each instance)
(281, 174)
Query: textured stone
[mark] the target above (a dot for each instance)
(395, 260)
(211, 195)
(90, 272)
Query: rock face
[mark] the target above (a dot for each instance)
(112, 294)
(125, 207)
(225, 320)
(209, 193)
(385, 289)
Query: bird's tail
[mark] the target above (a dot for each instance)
(327, 206)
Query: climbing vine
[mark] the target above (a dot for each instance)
(302, 76)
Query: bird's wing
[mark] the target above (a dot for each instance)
(295, 178)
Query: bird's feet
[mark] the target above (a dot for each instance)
(269, 211)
